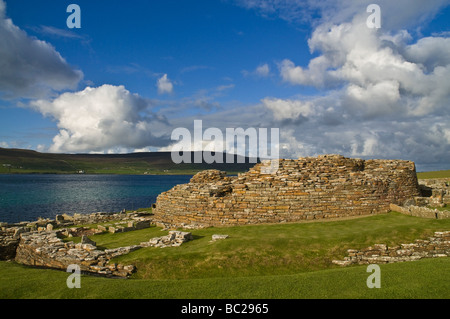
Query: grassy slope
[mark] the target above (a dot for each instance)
(263, 261)
(30, 162)
(27, 162)
(272, 249)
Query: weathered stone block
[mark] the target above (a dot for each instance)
(219, 237)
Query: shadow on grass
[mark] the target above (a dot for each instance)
(195, 237)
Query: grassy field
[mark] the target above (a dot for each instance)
(435, 174)
(422, 279)
(263, 261)
(261, 250)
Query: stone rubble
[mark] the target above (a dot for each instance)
(40, 245)
(46, 249)
(434, 192)
(436, 246)
(173, 239)
(218, 237)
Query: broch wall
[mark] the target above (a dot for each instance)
(328, 186)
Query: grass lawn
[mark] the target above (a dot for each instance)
(427, 278)
(263, 261)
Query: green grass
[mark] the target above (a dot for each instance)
(262, 250)
(261, 261)
(435, 174)
(422, 279)
(442, 209)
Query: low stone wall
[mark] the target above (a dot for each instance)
(435, 192)
(329, 186)
(436, 246)
(65, 221)
(100, 217)
(8, 244)
(420, 211)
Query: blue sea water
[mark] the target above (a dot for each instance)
(28, 197)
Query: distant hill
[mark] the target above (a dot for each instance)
(19, 161)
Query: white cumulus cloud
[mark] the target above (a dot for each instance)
(164, 85)
(378, 71)
(288, 109)
(263, 70)
(102, 119)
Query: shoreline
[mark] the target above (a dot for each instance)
(96, 174)
(229, 173)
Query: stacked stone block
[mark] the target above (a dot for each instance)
(328, 186)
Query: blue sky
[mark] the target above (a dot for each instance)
(136, 70)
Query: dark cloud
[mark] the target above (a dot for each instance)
(30, 67)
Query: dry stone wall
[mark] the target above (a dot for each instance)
(436, 246)
(328, 186)
(420, 211)
(9, 240)
(435, 192)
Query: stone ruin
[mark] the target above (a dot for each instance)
(436, 246)
(325, 187)
(312, 188)
(41, 243)
(435, 192)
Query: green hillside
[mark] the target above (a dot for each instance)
(18, 161)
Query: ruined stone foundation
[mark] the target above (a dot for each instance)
(328, 186)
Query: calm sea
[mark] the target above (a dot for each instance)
(28, 197)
